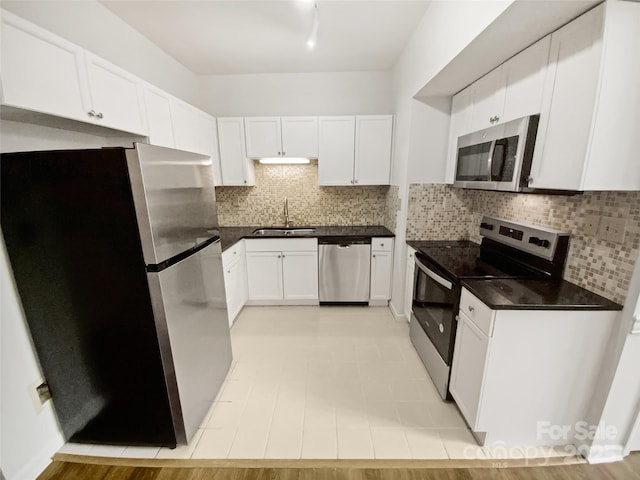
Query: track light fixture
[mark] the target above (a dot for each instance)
(313, 36)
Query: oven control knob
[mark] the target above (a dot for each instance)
(534, 240)
(486, 226)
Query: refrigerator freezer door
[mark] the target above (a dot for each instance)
(193, 331)
(174, 198)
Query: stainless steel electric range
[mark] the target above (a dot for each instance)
(508, 250)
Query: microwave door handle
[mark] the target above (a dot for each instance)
(434, 276)
(498, 161)
(492, 149)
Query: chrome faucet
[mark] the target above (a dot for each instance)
(286, 212)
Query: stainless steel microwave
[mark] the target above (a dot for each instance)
(499, 157)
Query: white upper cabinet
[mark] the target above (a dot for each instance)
(458, 126)
(299, 137)
(512, 90)
(237, 169)
(587, 138)
(159, 124)
(373, 149)
(263, 137)
(355, 150)
(525, 76)
(46, 74)
(487, 95)
(336, 150)
(281, 137)
(116, 96)
(40, 71)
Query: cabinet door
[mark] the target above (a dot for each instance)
(569, 100)
(42, 72)
(300, 275)
(467, 368)
(158, 110)
(264, 275)
(381, 266)
(408, 282)
(336, 150)
(487, 99)
(300, 137)
(263, 137)
(458, 126)
(187, 127)
(236, 168)
(235, 280)
(525, 81)
(116, 96)
(374, 134)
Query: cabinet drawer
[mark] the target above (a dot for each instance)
(383, 244)
(281, 244)
(232, 253)
(476, 311)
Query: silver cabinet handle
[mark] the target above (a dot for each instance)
(374, 255)
(99, 115)
(530, 180)
(471, 309)
(91, 113)
(382, 244)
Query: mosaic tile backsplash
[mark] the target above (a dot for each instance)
(441, 212)
(309, 203)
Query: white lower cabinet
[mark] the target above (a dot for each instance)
(466, 377)
(408, 281)
(235, 279)
(282, 271)
(381, 270)
(516, 373)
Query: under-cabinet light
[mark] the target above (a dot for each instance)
(284, 160)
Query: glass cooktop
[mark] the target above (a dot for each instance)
(465, 259)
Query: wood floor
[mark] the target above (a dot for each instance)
(70, 467)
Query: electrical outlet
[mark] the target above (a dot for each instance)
(612, 229)
(590, 225)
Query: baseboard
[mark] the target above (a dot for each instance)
(605, 454)
(394, 312)
(281, 302)
(378, 303)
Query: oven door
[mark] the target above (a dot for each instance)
(435, 301)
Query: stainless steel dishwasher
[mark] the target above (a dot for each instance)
(344, 269)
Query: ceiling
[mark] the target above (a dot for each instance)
(266, 36)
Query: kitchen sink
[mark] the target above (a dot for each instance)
(279, 231)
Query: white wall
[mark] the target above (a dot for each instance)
(28, 437)
(617, 401)
(339, 93)
(90, 25)
(422, 128)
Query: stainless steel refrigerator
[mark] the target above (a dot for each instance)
(117, 262)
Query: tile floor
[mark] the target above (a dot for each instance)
(325, 383)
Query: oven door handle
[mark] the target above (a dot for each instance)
(434, 276)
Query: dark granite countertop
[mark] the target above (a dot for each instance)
(520, 294)
(231, 235)
(420, 244)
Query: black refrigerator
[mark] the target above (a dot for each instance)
(117, 262)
